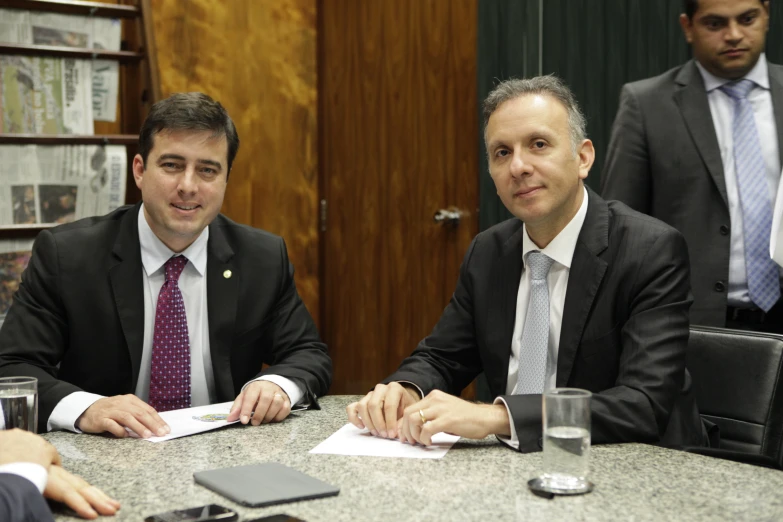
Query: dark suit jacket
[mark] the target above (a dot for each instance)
(81, 305)
(20, 500)
(664, 160)
(624, 331)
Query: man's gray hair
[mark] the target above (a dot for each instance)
(549, 85)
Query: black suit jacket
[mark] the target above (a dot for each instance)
(81, 306)
(20, 500)
(664, 160)
(624, 331)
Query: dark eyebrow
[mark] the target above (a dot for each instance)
(753, 11)
(213, 163)
(494, 144)
(171, 156)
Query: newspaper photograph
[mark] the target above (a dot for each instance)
(14, 256)
(45, 95)
(55, 184)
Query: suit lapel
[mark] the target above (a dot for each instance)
(502, 312)
(222, 295)
(584, 279)
(126, 282)
(691, 98)
(776, 88)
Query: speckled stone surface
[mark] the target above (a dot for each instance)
(476, 480)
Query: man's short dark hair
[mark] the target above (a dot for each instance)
(188, 111)
(691, 6)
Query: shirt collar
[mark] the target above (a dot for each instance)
(562, 247)
(757, 75)
(154, 253)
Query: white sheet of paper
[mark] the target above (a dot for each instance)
(350, 440)
(190, 421)
(776, 239)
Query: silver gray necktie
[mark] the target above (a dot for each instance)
(535, 335)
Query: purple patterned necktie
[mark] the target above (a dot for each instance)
(170, 372)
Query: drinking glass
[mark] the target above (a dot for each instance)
(566, 427)
(19, 403)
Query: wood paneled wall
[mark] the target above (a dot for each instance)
(258, 58)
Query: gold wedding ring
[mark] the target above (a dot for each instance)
(423, 418)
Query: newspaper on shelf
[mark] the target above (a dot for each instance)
(15, 26)
(44, 95)
(93, 99)
(54, 184)
(14, 256)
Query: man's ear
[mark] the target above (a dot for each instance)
(687, 27)
(138, 169)
(586, 155)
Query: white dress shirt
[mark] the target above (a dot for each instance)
(35, 473)
(722, 110)
(193, 285)
(561, 250)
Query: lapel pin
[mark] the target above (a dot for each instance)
(227, 274)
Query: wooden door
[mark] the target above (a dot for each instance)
(398, 141)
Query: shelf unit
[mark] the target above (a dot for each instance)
(139, 85)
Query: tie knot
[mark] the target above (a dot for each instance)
(174, 267)
(738, 90)
(539, 264)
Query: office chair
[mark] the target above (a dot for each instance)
(737, 385)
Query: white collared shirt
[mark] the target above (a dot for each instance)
(561, 250)
(722, 110)
(193, 285)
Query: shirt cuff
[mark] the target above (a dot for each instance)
(512, 441)
(35, 473)
(294, 392)
(69, 409)
(421, 393)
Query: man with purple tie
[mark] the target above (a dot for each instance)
(166, 304)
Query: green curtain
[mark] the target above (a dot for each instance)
(508, 47)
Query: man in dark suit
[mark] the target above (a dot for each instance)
(673, 155)
(576, 292)
(166, 304)
(29, 467)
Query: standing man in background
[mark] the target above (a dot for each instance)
(700, 147)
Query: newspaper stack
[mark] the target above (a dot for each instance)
(57, 95)
(53, 184)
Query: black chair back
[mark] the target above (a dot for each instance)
(737, 385)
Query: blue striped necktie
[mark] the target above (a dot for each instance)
(762, 272)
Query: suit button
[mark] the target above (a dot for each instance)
(724, 230)
(720, 286)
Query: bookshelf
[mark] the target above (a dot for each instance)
(138, 87)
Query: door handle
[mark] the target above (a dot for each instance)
(448, 216)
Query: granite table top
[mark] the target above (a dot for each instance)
(476, 480)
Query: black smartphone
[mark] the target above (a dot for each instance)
(196, 514)
(277, 518)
